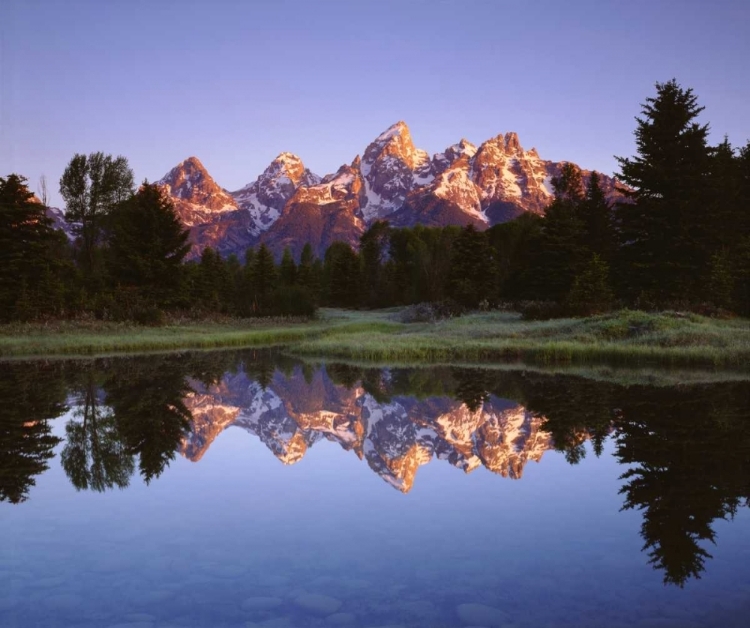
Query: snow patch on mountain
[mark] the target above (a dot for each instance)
(265, 198)
(455, 185)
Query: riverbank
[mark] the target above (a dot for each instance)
(625, 337)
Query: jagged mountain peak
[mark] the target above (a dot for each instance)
(511, 142)
(265, 198)
(466, 147)
(446, 159)
(288, 205)
(190, 169)
(395, 130)
(391, 168)
(189, 181)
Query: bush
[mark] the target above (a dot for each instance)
(543, 311)
(431, 312)
(149, 315)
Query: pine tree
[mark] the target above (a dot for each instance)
(472, 264)
(147, 245)
(596, 215)
(342, 275)
(591, 292)
(262, 280)
(287, 269)
(305, 265)
(373, 248)
(662, 226)
(720, 290)
(27, 247)
(562, 251)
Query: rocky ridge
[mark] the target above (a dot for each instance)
(288, 205)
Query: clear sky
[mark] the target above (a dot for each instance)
(235, 83)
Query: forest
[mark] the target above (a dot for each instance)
(679, 238)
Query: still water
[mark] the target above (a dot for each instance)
(248, 489)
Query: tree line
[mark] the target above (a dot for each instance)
(678, 237)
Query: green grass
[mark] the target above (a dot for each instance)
(624, 337)
(105, 338)
(621, 338)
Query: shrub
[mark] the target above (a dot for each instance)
(149, 315)
(431, 312)
(543, 310)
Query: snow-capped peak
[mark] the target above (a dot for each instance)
(391, 167)
(190, 182)
(395, 129)
(265, 197)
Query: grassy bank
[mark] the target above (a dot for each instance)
(96, 338)
(634, 338)
(625, 337)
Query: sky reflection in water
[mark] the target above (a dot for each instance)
(165, 503)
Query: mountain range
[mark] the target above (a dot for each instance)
(288, 205)
(395, 437)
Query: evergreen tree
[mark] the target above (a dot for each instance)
(661, 227)
(591, 292)
(568, 185)
(287, 269)
(596, 215)
(233, 286)
(342, 275)
(310, 273)
(471, 270)
(515, 244)
(740, 252)
(262, 280)
(91, 187)
(27, 261)
(373, 249)
(244, 286)
(147, 245)
(561, 252)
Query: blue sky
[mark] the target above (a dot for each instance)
(235, 83)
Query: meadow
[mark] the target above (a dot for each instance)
(620, 338)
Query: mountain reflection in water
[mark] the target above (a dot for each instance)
(685, 450)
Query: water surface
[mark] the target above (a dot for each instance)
(248, 489)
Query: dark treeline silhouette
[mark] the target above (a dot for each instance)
(679, 237)
(127, 261)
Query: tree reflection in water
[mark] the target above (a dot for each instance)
(30, 395)
(687, 448)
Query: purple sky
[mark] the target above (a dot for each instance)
(235, 83)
